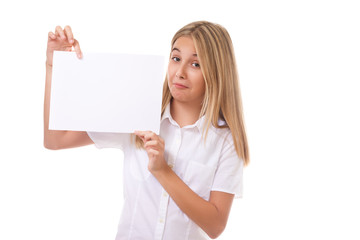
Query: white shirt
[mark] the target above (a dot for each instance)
(148, 211)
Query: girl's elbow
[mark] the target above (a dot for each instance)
(216, 232)
(50, 146)
(214, 235)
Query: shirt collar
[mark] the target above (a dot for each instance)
(167, 115)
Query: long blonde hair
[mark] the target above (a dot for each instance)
(222, 99)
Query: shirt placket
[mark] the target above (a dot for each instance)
(164, 202)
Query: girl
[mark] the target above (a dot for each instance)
(179, 184)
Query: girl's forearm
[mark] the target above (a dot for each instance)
(202, 212)
(50, 136)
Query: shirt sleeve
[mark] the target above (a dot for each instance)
(229, 174)
(110, 140)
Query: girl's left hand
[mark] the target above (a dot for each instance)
(155, 147)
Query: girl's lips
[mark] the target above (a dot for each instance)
(178, 85)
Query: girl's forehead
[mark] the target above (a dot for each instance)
(184, 44)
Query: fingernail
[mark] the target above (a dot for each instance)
(71, 41)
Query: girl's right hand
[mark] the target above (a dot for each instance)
(61, 40)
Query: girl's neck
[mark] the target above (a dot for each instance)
(184, 113)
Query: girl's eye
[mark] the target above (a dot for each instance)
(176, 59)
(196, 65)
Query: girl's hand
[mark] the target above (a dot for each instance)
(61, 40)
(155, 147)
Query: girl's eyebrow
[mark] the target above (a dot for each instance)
(176, 49)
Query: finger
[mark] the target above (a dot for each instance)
(150, 136)
(141, 134)
(151, 144)
(60, 32)
(69, 34)
(156, 142)
(77, 48)
(153, 152)
(146, 135)
(52, 35)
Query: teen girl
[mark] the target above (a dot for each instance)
(179, 184)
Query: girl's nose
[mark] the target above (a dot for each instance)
(180, 73)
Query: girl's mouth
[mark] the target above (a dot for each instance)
(178, 85)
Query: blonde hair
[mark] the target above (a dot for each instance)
(222, 99)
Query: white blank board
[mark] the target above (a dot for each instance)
(104, 92)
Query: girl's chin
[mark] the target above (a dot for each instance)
(179, 97)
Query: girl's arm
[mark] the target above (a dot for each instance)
(210, 215)
(61, 40)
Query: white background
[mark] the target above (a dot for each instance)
(299, 71)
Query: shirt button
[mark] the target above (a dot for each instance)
(161, 220)
(171, 166)
(165, 194)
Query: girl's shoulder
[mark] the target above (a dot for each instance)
(222, 132)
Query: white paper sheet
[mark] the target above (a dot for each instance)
(106, 92)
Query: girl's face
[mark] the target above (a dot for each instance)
(185, 79)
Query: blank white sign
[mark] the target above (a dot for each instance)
(104, 92)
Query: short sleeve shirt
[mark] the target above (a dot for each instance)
(204, 165)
